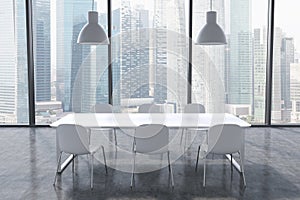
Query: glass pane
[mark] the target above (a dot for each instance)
(231, 78)
(13, 63)
(286, 82)
(69, 77)
(150, 54)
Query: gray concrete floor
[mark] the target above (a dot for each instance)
(272, 168)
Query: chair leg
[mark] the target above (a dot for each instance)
(204, 171)
(242, 169)
(104, 158)
(73, 163)
(115, 134)
(92, 171)
(197, 158)
(133, 169)
(170, 170)
(231, 161)
(58, 165)
(182, 132)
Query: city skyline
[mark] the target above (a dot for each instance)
(149, 65)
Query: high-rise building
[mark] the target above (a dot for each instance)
(130, 53)
(240, 68)
(8, 64)
(150, 52)
(22, 74)
(42, 52)
(170, 55)
(295, 91)
(13, 63)
(259, 74)
(71, 15)
(276, 90)
(134, 52)
(208, 84)
(287, 57)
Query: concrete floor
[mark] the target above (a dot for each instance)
(272, 169)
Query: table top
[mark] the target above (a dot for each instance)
(131, 120)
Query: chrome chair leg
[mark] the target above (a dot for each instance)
(58, 165)
(92, 171)
(182, 132)
(204, 171)
(133, 169)
(73, 163)
(197, 158)
(242, 169)
(170, 170)
(104, 158)
(115, 135)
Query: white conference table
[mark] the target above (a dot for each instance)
(132, 120)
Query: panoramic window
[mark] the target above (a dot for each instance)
(13, 63)
(231, 78)
(286, 99)
(149, 54)
(69, 77)
(149, 59)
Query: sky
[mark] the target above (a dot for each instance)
(287, 16)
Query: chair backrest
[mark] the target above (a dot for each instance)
(225, 138)
(102, 108)
(73, 139)
(194, 108)
(150, 108)
(150, 138)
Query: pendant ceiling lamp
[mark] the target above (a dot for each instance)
(92, 33)
(211, 33)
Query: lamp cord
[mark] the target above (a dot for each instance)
(210, 5)
(93, 5)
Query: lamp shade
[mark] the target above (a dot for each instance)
(92, 33)
(211, 33)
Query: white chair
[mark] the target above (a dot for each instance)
(150, 108)
(74, 139)
(192, 108)
(223, 139)
(105, 108)
(151, 139)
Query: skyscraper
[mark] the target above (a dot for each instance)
(134, 51)
(71, 15)
(287, 57)
(170, 53)
(240, 68)
(149, 63)
(259, 73)
(130, 52)
(295, 91)
(42, 60)
(208, 84)
(276, 91)
(13, 63)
